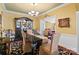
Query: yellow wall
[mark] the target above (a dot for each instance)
(37, 24)
(77, 6)
(63, 12)
(8, 20)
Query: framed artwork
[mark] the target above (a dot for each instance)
(64, 22)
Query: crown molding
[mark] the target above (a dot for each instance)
(9, 11)
(62, 5)
(77, 11)
(14, 12)
(4, 8)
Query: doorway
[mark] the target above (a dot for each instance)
(48, 23)
(43, 22)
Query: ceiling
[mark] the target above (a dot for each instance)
(26, 7)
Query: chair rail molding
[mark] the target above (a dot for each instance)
(69, 41)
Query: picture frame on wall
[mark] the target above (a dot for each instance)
(64, 22)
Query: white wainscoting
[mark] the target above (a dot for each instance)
(69, 41)
(77, 27)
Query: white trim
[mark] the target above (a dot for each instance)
(39, 14)
(4, 8)
(77, 27)
(13, 12)
(69, 41)
(18, 13)
(54, 8)
(77, 11)
(50, 19)
(9, 11)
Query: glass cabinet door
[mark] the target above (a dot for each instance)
(24, 23)
(29, 24)
(18, 24)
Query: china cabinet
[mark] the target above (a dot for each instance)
(22, 24)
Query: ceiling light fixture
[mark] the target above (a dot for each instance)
(34, 4)
(33, 13)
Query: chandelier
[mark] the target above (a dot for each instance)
(33, 13)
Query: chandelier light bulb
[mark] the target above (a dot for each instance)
(33, 11)
(29, 13)
(34, 4)
(37, 12)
